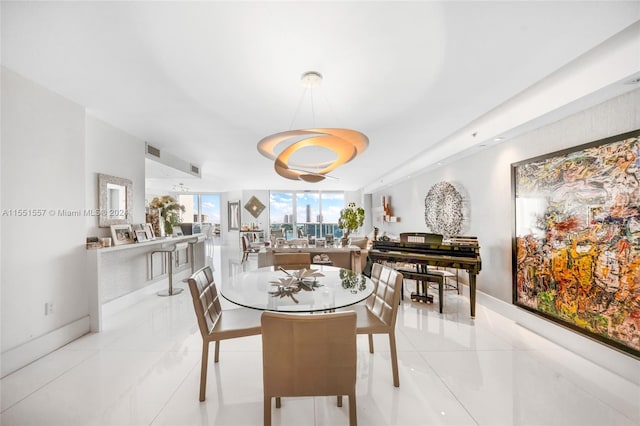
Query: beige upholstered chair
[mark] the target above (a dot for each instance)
(247, 249)
(213, 327)
(291, 260)
(378, 314)
(360, 242)
(309, 355)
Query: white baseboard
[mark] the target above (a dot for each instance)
(28, 352)
(611, 359)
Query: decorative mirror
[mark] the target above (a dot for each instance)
(115, 200)
(234, 215)
(254, 206)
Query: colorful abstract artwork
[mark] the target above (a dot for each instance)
(577, 239)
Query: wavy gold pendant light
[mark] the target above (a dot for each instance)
(345, 143)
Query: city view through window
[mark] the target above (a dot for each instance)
(293, 214)
(204, 208)
(303, 214)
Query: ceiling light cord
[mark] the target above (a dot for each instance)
(313, 111)
(295, 115)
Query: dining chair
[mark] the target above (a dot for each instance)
(378, 314)
(309, 355)
(292, 260)
(247, 248)
(214, 326)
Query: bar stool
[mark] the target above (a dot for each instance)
(192, 249)
(169, 252)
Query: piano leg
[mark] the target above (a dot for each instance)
(441, 293)
(472, 294)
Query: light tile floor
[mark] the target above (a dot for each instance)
(144, 370)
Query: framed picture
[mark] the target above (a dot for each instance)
(234, 215)
(141, 235)
(121, 234)
(148, 230)
(576, 245)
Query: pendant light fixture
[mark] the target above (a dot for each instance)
(345, 143)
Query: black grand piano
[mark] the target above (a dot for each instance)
(460, 253)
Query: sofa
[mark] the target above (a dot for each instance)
(352, 257)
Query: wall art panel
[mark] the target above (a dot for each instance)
(576, 248)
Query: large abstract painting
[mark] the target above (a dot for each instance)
(576, 256)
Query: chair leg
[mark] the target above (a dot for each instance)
(278, 402)
(267, 411)
(339, 400)
(217, 351)
(394, 359)
(353, 420)
(370, 343)
(203, 370)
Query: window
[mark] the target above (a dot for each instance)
(305, 213)
(281, 214)
(203, 208)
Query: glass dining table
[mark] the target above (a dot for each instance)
(267, 289)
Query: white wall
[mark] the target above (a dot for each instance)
(113, 152)
(247, 218)
(51, 155)
(42, 257)
(486, 179)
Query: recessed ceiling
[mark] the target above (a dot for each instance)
(206, 81)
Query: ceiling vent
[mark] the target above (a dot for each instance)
(152, 150)
(171, 161)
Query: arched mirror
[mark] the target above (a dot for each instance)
(115, 200)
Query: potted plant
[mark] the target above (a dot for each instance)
(169, 211)
(351, 218)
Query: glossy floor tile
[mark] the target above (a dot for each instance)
(144, 369)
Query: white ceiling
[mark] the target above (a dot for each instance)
(205, 81)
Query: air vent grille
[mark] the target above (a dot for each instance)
(195, 169)
(152, 150)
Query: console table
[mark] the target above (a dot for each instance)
(115, 272)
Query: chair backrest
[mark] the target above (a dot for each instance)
(246, 245)
(360, 242)
(385, 299)
(292, 260)
(307, 355)
(329, 238)
(205, 299)
(421, 237)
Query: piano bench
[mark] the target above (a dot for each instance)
(429, 276)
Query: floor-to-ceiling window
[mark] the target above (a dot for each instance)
(299, 214)
(203, 208)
